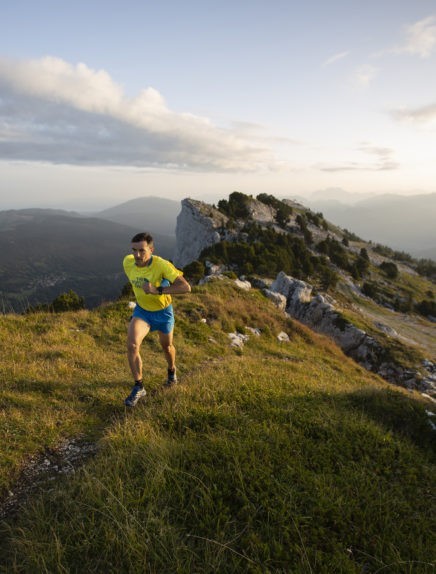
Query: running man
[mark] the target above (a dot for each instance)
(154, 280)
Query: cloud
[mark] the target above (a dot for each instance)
(420, 38)
(336, 58)
(384, 160)
(424, 115)
(364, 75)
(53, 111)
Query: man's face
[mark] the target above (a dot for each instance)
(142, 252)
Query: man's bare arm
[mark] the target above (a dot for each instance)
(179, 287)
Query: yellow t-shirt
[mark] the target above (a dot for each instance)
(156, 273)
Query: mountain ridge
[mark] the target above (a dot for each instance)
(371, 293)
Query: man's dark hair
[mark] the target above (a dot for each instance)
(144, 236)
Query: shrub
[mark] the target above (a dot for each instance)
(328, 277)
(236, 206)
(302, 221)
(194, 271)
(369, 288)
(427, 268)
(360, 267)
(335, 251)
(315, 218)
(426, 308)
(68, 302)
(283, 213)
(390, 269)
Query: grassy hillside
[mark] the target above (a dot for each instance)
(278, 457)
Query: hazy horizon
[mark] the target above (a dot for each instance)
(90, 205)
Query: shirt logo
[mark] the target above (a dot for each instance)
(138, 282)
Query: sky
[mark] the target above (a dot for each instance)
(103, 101)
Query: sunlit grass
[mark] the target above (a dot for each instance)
(281, 457)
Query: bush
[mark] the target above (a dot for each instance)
(427, 268)
(335, 251)
(68, 302)
(282, 214)
(426, 308)
(315, 218)
(302, 221)
(370, 289)
(390, 269)
(360, 267)
(194, 271)
(236, 206)
(328, 277)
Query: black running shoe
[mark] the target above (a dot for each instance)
(171, 379)
(135, 395)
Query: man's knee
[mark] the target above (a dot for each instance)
(167, 347)
(133, 347)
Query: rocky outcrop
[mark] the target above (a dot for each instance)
(198, 226)
(261, 212)
(320, 314)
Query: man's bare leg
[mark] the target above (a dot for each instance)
(166, 341)
(137, 331)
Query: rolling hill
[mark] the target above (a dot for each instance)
(153, 214)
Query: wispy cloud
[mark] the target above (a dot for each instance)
(424, 115)
(53, 111)
(364, 75)
(383, 160)
(420, 38)
(336, 58)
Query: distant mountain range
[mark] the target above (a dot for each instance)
(406, 223)
(46, 252)
(146, 213)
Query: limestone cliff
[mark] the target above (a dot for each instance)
(198, 226)
(322, 315)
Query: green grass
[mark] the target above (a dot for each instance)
(285, 457)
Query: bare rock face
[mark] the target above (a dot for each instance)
(321, 315)
(296, 292)
(260, 212)
(198, 226)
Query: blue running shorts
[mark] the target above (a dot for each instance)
(162, 320)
